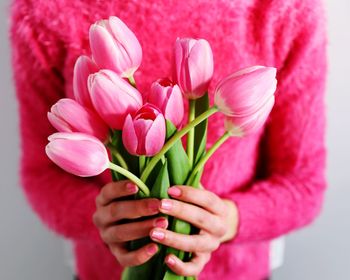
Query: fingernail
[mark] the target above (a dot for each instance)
(152, 249)
(174, 191)
(170, 260)
(159, 235)
(154, 205)
(161, 222)
(166, 204)
(131, 188)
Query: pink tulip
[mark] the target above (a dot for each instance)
(168, 98)
(67, 115)
(248, 124)
(194, 66)
(114, 46)
(77, 153)
(83, 67)
(244, 92)
(113, 97)
(145, 133)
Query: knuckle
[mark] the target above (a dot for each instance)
(211, 198)
(96, 219)
(221, 229)
(113, 209)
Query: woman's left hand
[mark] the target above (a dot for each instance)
(216, 218)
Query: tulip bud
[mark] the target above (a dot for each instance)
(248, 124)
(145, 133)
(194, 66)
(77, 153)
(114, 46)
(246, 91)
(113, 97)
(67, 115)
(83, 67)
(168, 98)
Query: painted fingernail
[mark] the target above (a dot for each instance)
(159, 235)
(170, 260)
(174, 191)
(161, 222)
(166, 204)
(131, 188)
(152, 249)
(154, 205)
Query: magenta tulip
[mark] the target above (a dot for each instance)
(194, 66)
(83, 67)
(168, 98)
(244, 92)
(114, 46)
(67, 115)
(248, 124)
(77, 153)
(113, 97)
(145, 133)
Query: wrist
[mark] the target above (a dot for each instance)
(231, 221)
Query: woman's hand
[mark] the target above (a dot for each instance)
(111, 213)
(216, 218)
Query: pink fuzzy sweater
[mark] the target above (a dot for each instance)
(276, 177)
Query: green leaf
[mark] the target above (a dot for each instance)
(169, 275)
(162, 183)
(178, 164)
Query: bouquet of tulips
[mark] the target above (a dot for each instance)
(110, 124)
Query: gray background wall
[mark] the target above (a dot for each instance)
(321, 251)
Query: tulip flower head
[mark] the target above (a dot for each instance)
(77, 153)
(114, 46)
(145, 133)
(83, 67)
(246, 91)
(194, 66)
(168, 98)
(113, 97)
(67, 115)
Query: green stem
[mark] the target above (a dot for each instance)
(130, 176)
(132, 81)
(119, 157)
(190, 136)
(142, 163)
(173, 140)
(209, 153)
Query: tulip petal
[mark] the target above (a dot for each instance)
(174, 110)
(156, 136)
(58, 123)
(129, 136)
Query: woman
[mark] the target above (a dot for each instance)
(257, 188)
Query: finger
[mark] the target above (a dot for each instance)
(129, 209)
(193, 214)
(133, 258)
(184, 242)
(200, 197)
(192, 268)
(132, 231)
(114, 190)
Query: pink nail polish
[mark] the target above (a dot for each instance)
(169, 260)
(174, 191)
(131, 188)
(166, 204)
(152, 249)
(159, 235)
(160, 222)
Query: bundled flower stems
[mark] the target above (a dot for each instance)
(109, 125)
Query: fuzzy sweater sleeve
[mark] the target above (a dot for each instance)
(290, 194)
(64, 202)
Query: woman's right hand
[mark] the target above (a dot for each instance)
(110, 217)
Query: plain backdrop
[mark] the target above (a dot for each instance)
(320, 251)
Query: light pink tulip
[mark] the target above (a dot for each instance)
(67, 115)
(77, 153)
(145, 133)
(113, 97)
(248, 124)
(194, 66)
(83, 67)
(244, 92)
(114, 46)
(168, 98)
